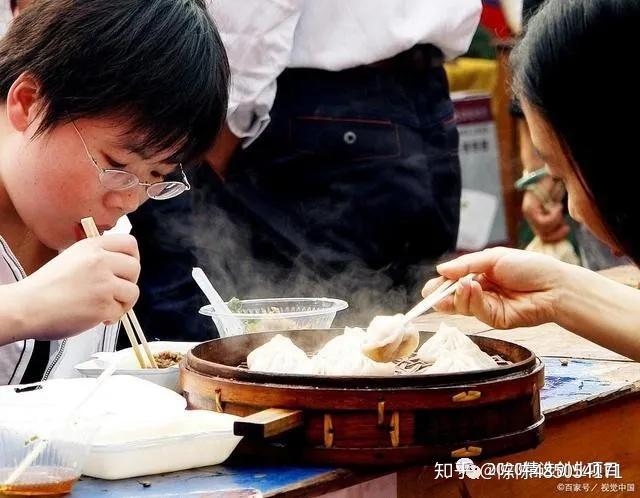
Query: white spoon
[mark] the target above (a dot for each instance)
(230, 324)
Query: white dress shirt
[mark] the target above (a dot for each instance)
(263, 37)
(5, 16)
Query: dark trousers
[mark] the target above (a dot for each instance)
(353, 190)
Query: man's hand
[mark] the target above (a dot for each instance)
(219, 155)
(544, 211)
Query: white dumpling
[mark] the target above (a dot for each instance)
(446, 339)
(462, 360)
(342, 355)
(279, 355)
(388, 339)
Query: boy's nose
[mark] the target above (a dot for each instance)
(126, 201)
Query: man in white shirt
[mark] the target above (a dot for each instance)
(338, 170)
(263, 37)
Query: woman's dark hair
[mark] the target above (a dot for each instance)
(157, 64)
(571, 67)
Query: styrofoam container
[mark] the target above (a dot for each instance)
(195, 438)
(128, 365)
(283, 313)
(118, 398)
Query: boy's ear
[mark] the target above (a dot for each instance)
(23, 101)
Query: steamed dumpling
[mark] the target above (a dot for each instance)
(451, 351)
(279, 355)
(463, 360)
(388, 339)
(446, 339)
(342, 355)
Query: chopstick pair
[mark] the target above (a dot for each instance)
(447, 288)
(129, 319)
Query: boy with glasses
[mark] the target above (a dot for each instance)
(102, 104)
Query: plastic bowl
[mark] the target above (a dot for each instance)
(270, 315)
(61, 453)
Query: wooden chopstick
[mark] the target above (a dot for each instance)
(129, 319)
(132, 339)
(143, 340)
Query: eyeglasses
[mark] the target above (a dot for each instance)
(115, 179)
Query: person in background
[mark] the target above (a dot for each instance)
(79, 139)
(594, 154)
(337, 171)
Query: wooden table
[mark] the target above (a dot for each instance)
(590, 401)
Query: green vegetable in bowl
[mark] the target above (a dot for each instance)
(32, 439)
(235, 305)
(252, 326)
(262, 322)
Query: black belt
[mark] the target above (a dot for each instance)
(418, 57)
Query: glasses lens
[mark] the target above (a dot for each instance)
(118, 180)
(165, 190)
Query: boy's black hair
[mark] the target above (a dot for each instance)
(157, 64)
(565, 68)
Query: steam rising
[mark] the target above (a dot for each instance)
(224, 250)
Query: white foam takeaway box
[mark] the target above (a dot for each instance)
(119, 400)
(194, 438)
(143, 429)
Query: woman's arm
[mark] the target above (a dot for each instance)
(523, 289)
(601, 310)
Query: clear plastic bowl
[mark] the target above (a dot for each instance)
(269, 315)
(62, 452)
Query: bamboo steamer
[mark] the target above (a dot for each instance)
(394, 420)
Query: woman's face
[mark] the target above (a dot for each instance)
(51, 182)
(560, 165)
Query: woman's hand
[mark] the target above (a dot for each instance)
(513, 288)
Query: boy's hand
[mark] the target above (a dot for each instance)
(93, 281)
